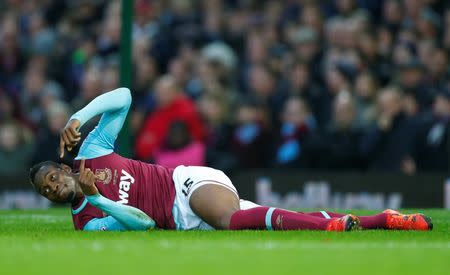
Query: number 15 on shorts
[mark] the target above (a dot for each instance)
(187, 186)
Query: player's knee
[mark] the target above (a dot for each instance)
(223, 222)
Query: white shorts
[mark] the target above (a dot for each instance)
(189, 178)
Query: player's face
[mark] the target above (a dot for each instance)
(56, 184)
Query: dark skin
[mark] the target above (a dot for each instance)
(212, 203)
(60, 184)
(69, 136)
(215, 205)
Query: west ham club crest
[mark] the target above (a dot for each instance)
(103, 175)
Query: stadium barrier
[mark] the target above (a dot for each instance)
(16, 192)
(298, 189)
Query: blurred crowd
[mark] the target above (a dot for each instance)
(236, 84)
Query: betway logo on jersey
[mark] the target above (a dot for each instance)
(126, 180)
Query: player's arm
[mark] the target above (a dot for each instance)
(121, 217)
(113, 106)
(108, 223)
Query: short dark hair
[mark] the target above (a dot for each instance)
(35, 169)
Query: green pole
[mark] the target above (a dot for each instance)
(124, 140)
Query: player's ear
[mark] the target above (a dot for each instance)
(66, 168)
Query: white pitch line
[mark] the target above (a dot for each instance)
(44, 217)
(273, 245)
(234, 245)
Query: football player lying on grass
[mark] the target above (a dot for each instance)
(110, 192)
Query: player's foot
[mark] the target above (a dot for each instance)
(396, 220)
(345, 223)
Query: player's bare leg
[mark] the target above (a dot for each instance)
(214, 204)
(219, 207)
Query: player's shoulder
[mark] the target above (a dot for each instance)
(79, 206)
(83, 207)
(92, 160)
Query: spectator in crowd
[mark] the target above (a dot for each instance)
(179, 70)
(412, 82)
(144, 79)
(372, 59)
(47, 138)
(64, 53)
(41, 37)
(446, 35)
(110, 78)
(220, 59)
(109, 38)
(15, 149)
(334, 148)
(91, 87)
(425, 49)
(171, 105)
(146, 73)
(428, 24)
(179, 149)
(251, 136)
(385, 44)
(297, 122)
(431, 151)
(311, 16)
(12, 59)
(299, 83)
(256, 52)
(366, 92)
(38, 92)
(84, 52)
(264, 87)
(390, 142)
(7, 108)
(305, 43)
(438, 68)
(349, 9)
(215, 109)
(338, 80)
(393, 14)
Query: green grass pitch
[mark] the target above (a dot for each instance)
(43, 242)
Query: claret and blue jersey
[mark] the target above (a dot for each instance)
(127, 187)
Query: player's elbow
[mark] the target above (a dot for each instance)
(125, 96)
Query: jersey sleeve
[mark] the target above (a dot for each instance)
(108, 223)
(114, 108)
(130, 217)
(84, 213)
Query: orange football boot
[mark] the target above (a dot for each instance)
(396, 220)
(345, 223)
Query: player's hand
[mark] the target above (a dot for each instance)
(69, 136)
(87, 180)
